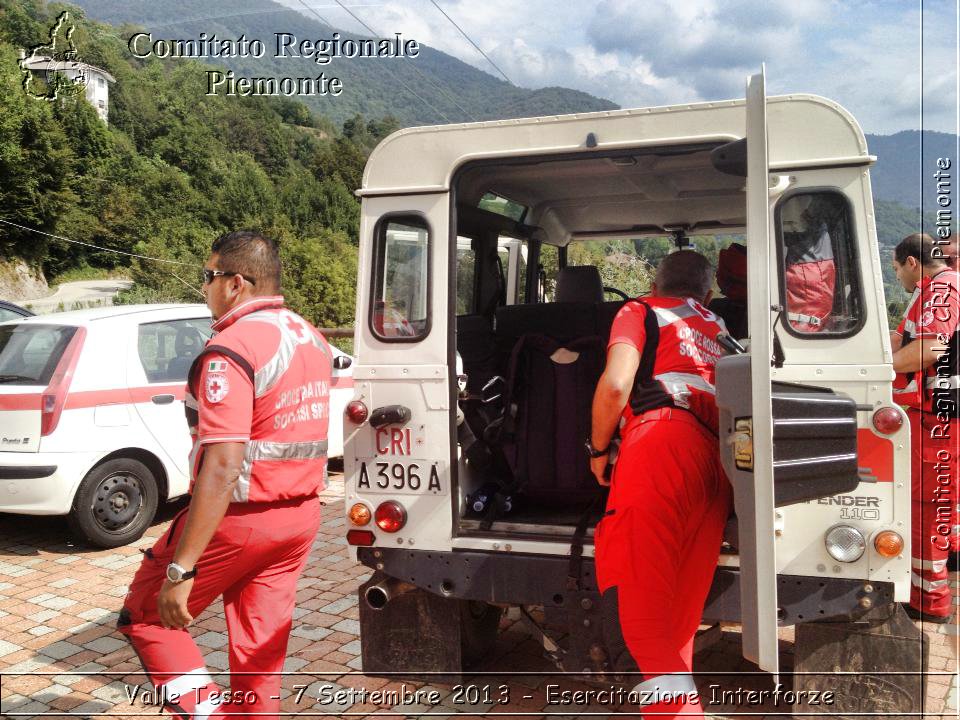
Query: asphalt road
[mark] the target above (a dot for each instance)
(81, 293)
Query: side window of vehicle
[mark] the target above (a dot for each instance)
(168, 348)
(819, 269)
(400, 303)
(466, 277)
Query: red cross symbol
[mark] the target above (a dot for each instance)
(215, 386)
(294, 327)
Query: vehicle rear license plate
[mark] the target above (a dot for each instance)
(410, 477)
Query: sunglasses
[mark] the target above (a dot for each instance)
(210, 275)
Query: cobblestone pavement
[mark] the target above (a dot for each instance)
(59, 602)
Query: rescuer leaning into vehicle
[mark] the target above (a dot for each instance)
(257, 407)
(926, 356)
(658, 543)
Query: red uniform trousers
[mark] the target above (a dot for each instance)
(934, 493)
(254, 560)
(658, 545)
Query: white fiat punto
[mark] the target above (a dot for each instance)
(91, 414)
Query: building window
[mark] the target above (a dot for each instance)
(101, 82)
(101, 104)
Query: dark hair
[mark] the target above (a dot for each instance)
(249, 253)
(685, 273)
(919, 246)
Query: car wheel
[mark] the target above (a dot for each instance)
(115, 503)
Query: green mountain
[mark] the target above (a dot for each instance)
(906, 164)
(432, 88)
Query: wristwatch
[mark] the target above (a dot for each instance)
(593, 452)
(176, 573)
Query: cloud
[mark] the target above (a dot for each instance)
(865, 55)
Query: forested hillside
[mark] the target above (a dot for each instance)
(169, 173)
(432, 88)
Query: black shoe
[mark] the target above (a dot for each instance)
(953, 562)
(924, 617)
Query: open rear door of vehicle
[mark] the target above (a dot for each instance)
(746, 418)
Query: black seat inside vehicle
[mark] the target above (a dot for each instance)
(579, 283)
(187, 345)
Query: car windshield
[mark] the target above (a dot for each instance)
(29, 353)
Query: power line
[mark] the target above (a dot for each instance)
(395, 76)
(496, 67)
(97, 247)
(415, 69)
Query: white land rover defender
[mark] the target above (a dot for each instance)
(468, 490)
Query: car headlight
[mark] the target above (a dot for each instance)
(845, 543)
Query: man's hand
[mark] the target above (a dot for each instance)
(598, 466)
(172, 604)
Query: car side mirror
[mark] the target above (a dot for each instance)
(342, 362)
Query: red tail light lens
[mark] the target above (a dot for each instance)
(887, 420)
(390, 516)
(54, 397)
(357, 412)
(360, 537)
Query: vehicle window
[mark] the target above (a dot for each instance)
(819, 277)
(7, 314)
(466, 277)
(168, 348)
(29, 353)
(400, 300)
(502, 206)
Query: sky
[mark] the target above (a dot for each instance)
(864, 55)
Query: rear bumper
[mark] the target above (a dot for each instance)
(41, 483)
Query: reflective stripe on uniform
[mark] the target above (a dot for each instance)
(257, 450)
(665, 687)
(936, 566)
(911, 387)
(809, 319)
(909, 326)
(271, 372)
(936, 382)
(927, 585)
(187, 682)
(205, 709)
(668, 316)
(675, 382)
(269, 450)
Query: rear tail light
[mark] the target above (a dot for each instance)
(887, 420)
(888, 544)
(360, 514)
(357, 412)
(845, 543)
(390, 516)
(360, 537)
(54, 397)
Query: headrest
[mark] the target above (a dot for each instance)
(580, 283)
(732, 272)
(188, 341)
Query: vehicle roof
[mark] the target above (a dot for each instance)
(802, 130)
(89, 315)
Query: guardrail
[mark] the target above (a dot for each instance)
(336, 332)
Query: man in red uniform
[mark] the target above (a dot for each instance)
(658, 543)
(257, 406)
(928, 383)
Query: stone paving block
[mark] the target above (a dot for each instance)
(67, 560)
(299, 612)
(54, 691)
(8, 647)
(61, 649)
(219, 660)
(30, 706)
(292, 664)
(351, 627)
(105, 644)
(92, 707)
(338, 606)
(353, 647)
(79, 673)
(43, 615)
(58, 603)
(93, 614)
(40, 630)
(28, 666)
(64, 582)
(310, 632)
(212, 640)
(11, 702)
(115, 692)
